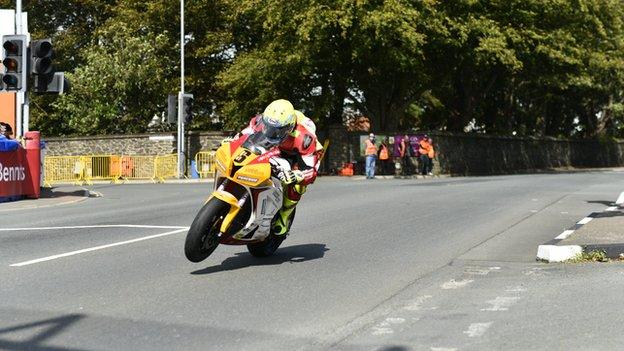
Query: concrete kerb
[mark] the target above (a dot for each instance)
(551, 252)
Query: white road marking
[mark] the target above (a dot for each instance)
(585, 220)
(95, 226)
(416, 304)
(501, 303)
(383, 328)
(443, 349)
(456, 284)
(72, 253)
(480, 271)
(620, 199)
(612, 208)
(516, 289)
(565, 234)
(477, 329)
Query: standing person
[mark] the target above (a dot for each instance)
(431, 155)
(371, 155)
(424, 149)
(384, 156)
(405, 151)
(6, 143)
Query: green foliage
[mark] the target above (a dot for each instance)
(538, 67)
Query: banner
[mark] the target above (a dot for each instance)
(414, 143)
(15, 174)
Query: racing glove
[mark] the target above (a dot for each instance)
(228, 139)
(290, 176)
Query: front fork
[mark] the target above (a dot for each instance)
(235, 204)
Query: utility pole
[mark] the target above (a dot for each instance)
(181, 146)
(21, 112)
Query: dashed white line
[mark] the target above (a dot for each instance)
(565, 234)
(72, 253)
(455, 284)
(501, 303)
(585, 220)
(477, 329)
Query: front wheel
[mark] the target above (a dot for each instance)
(203, 235)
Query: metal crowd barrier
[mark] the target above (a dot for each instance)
(63, 169)
(115, 168)
(205, 163)
(166, 167)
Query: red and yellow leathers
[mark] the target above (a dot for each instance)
(303, 152)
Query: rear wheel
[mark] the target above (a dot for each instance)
(203, 236)
(269, 245)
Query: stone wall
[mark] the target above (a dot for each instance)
(457, 154)
(137, 144)
(479, 154)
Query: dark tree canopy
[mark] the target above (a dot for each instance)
(527, 67)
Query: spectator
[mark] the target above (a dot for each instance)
(405, 151)
(426, 156)
(6, 144)
(384, 157)
(371, 155)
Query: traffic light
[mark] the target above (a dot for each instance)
(14, 49)
(187, 108)
(172, 109)
(41, 68)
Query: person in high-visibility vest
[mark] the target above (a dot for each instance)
(426, 156)
(371, 155)
(384, 157)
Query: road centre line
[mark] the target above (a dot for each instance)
(72, 253)
(95, 226)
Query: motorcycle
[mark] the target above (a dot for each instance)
(245, 201)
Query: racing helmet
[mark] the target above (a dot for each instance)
(277, 121)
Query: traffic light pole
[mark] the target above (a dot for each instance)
(181, 146)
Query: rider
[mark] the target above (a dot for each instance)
(296, 136)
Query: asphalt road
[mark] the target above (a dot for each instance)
(371, 265)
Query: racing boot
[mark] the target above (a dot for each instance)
(282, 223)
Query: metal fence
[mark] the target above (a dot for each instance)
(205, 163)
(114, 168)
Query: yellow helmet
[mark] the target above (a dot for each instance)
(278, 120)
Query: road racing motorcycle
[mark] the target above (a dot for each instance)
(245, 201)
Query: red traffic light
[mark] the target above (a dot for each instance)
(11, 47)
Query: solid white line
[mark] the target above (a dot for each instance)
(26, 263)
(94, 226)
(620, 199)
(585, 220)
(565, 234)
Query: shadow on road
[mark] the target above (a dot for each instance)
(292, 254)
(52, 326)
(602, 202)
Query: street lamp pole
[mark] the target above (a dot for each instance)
(181, 146)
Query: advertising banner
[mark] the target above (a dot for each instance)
(414, 140)
(15, 175)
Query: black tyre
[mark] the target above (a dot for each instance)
(203, 236)
(268, 247)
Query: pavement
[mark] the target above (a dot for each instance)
(598, 232)
(388, 264)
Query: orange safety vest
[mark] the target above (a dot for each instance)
(431, 153)
(383, 154)
(371, 149)
(425, 147)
